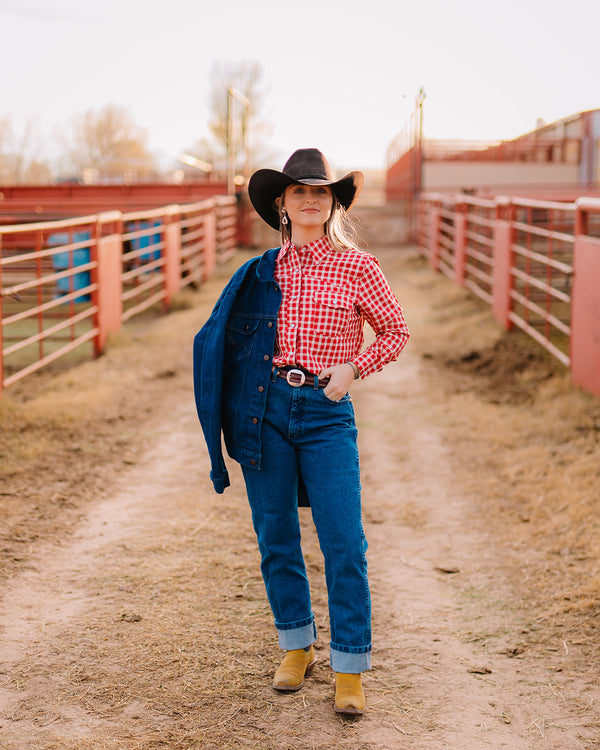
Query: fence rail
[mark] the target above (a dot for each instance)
(542, 267)
(536, 262)
(67, 284)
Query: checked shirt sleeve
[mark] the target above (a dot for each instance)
(382, 311)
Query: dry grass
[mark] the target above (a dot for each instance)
(66, 432)
(531, 444)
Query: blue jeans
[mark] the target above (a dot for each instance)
(305, 434)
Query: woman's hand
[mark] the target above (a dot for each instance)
(340, 378)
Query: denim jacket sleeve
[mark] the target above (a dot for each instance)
(210, 365)
(209, 347)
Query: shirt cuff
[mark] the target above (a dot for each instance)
(365, 365)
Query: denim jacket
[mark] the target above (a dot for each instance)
(233, 359)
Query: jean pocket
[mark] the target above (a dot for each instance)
(344, 399)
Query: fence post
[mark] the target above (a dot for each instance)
(1, 328)
(210, 241)
(244, 223)
(585, 306)
(435, 219)
(460, 242)
(172, 251)
(109, 281)
(502, 258)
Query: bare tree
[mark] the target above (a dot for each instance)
(246, 126)
(20, 159)
(37, 173)
(111, 144)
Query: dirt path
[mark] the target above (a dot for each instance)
(135, 617)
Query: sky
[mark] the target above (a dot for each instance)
(339, 76)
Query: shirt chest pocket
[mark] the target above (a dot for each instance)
(334, 311)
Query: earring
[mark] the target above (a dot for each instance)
(284, 217)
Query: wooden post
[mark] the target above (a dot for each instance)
(460, 243)
(435, 219)
(1, 327)
(110, 287)
(210, 242)
(585, 305)
(501, 272)
(172, 250)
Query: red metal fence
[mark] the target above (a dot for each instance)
(20, 203)
(69, 283)
(536, 262)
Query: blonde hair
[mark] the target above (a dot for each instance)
(340, 229)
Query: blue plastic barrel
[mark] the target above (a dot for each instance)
(70, 259)
(138, 243)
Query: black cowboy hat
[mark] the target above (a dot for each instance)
(306, 166)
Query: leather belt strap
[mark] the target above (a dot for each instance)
(298, 376)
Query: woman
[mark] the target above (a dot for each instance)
(273, 366)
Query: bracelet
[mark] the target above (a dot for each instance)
(355, 368)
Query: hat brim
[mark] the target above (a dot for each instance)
(266, 185)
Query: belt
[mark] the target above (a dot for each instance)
(297, 376)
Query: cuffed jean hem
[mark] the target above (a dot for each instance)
(342, 661)
(302, 637)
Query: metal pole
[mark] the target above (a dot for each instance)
(416, 162)
(420, 100)
(245, 142)
(230, 150)
(245, 102)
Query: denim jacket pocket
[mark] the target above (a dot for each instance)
(240, 334)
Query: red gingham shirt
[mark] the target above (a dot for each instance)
(327, 296)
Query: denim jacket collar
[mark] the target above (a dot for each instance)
(265, 267)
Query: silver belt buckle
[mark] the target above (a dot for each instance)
(295, 378)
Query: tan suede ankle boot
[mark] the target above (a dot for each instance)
(296, 664)
(349, 695)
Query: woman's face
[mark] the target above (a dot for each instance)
(308, 206)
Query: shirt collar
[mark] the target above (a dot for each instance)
(319, 249)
